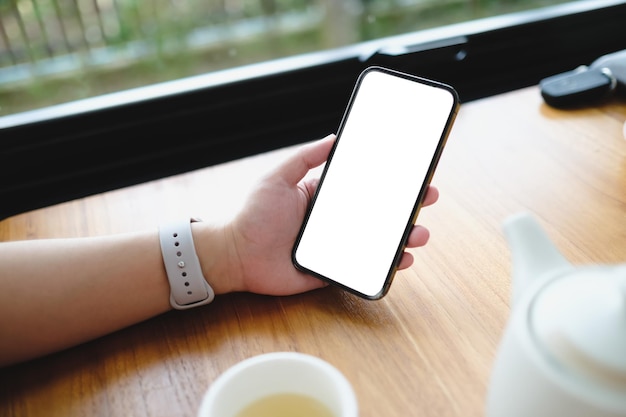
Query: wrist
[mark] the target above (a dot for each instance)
(218, 258)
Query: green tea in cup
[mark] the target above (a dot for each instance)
(286, 405)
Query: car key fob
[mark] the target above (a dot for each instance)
(582, 86)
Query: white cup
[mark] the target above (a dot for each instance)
(279, 373)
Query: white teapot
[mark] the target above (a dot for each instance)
(563, 352)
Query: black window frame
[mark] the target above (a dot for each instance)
(73, 150)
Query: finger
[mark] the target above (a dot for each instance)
(307, 158)
(310, 186)
(432, 195)
(418, 237)
(406, 261)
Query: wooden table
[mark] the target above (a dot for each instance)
(424, 350)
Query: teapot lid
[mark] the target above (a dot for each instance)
(579, 320)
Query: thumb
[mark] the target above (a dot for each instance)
(307, 158)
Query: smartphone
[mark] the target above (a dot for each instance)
(373, 184)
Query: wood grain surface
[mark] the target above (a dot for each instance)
(426, 349)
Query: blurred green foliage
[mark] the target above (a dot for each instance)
(53, 51)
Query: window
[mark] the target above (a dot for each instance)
(245, 100)
(54, 51)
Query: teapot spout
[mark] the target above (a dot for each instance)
(532, 253)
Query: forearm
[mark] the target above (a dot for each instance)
(58, 293)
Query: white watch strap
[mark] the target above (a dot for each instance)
(188, 288)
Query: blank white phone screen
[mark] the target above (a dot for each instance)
(371, 185)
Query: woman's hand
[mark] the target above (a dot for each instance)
(264, 232)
